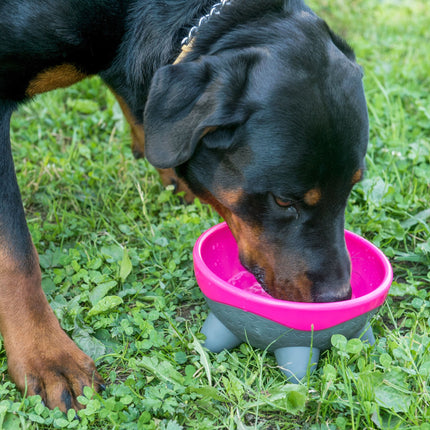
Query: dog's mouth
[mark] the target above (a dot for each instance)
(286, 291)
(259, 275)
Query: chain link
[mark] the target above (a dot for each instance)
(215, 10)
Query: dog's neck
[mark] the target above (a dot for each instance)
(216, 9)
(188, 40)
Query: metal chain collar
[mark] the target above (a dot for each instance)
(215, 10)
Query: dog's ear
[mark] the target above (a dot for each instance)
(188, 101)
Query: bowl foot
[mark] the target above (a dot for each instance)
(218, 336)
(366, 334)
(296, 361)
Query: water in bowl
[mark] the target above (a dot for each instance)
(246, 281)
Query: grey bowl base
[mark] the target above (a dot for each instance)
(297, 352)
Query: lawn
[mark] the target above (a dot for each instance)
(115, 250)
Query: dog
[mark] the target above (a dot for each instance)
(263, 117)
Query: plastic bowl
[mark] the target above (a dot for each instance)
(223, 279)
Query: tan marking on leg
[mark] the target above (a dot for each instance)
(312, 197)
(137, 132)
(42, 359)
(54, 77)
(357, 177)
(168, 176)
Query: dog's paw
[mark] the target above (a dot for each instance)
(52, 366)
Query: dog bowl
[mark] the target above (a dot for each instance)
(241, 311)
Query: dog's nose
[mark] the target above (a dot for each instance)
(332, 294)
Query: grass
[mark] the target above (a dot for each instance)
(115, 249)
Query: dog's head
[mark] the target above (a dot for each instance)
(270, 127)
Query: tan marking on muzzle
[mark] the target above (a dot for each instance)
(229, 198)
(256, 251)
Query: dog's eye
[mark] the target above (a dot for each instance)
(288, 205)
(283, 203)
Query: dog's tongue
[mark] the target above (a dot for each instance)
(246, 281)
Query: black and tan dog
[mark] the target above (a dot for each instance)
(264, 118)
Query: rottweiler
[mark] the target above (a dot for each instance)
(264, 117)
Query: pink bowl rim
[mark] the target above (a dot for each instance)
(252, 302)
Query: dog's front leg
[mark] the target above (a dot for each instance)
(42, 359)
(168, 176)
